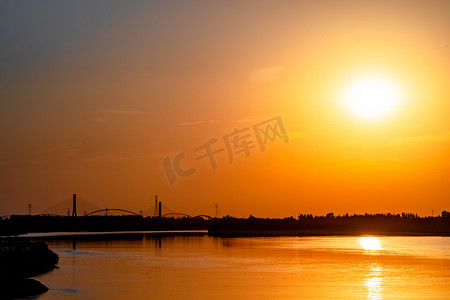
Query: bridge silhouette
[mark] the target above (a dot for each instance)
(111, 209)
(77, 204)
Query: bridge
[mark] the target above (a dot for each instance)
(186, 215)
(89, 209)
(111, 209)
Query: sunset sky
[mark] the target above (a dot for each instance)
(94, 95)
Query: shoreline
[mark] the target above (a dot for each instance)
(273, 233)
(221, 233)
(99, 233)
(26, 227)
(19, 261)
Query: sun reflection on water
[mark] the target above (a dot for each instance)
(373, 282)
(370, 243)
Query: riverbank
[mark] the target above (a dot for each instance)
(304, 225)
(22, 224)
(394, 225)
(20, 260)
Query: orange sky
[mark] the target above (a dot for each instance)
(93, 97)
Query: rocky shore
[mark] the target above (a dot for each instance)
(20, 260)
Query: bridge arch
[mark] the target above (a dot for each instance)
(112, 209)
(203, 216)
(186, 215)
(176, 214)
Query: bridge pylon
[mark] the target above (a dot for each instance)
(155, 212)
(74, 205)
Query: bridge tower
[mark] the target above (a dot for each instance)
(155, 212)
(74, 208)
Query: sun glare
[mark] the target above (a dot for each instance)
(370, 243)
(372, 98)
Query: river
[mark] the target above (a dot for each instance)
(197, 266)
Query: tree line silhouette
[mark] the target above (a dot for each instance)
(303, 224)
(20, 224)
(329, 224)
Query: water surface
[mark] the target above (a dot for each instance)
(197, 266)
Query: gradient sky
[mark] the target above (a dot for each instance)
(94, 96)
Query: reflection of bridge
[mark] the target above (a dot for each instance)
(61, 207)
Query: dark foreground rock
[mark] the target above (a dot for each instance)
(20, 288)
(20, 260)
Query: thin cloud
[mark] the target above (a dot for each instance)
(400, 140)
(264, 75)
(100, 119)
(116, 158)
(121, 112)
(58, 148)
(58, 152)
(428, 137)
(306, 133)
(248, 120)
(106, 114)
(198, 122)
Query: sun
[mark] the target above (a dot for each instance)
(371, 98)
